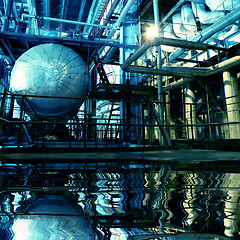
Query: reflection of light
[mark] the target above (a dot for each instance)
(20, 229)
(151, 32)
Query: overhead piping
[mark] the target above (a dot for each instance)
(169, 42)
(205, 16)
(177, 71)
(121, 18)
(68, 21)
(117, 24)
(230, 18)
(187, 71)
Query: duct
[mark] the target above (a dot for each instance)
(223, 5)
(210, 31)
(188, 17)
(168, 33)
(186, 72)
(178, 27)
(205, 16)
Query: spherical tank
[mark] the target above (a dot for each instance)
(51, 70)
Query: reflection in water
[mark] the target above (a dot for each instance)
(117, 201)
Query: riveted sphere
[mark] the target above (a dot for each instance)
(51, 70)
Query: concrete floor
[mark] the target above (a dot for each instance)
(172, 157)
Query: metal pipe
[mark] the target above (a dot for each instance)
(121, 17)
(117, 24)
(169, 42)
(8, 59)
(210, 31)
(187, 71)
(69, 21)
(159, 66)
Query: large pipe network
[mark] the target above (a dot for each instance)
(196, 16)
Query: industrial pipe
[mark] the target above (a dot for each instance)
(188, 18)
(121, 17)
(205, 16)
(8, 59)
(68, 21)
(185, 71)
(169, 42)
(224, 5)
(178, 26)
(210, 31)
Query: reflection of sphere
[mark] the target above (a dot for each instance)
(52, 217)
(51, 70)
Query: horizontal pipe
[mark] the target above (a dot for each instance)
(67, 21)
(169, 42)
(187, 72)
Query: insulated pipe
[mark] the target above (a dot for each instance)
(178, 27)
(188, 17)
(205, 16)
(168, 31)
(223, 5)
(207, 33)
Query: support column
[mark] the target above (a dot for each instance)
(231, 91)
(159, 66)
(190, 111)
(129, 111)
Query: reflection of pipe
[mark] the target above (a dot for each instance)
(207, 33)
(186, 71)
(205, 16)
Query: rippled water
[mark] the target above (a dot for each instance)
(118, 201)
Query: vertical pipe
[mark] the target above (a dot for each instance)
(8, 14)
(159, 65)
(231, 90)
(2, 109)
(190, 111)
(208, 112)
(85, 125)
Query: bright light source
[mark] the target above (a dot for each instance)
(151, 32)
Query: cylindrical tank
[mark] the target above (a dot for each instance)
(51, 70)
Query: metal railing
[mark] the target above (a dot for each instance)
(19, 128)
